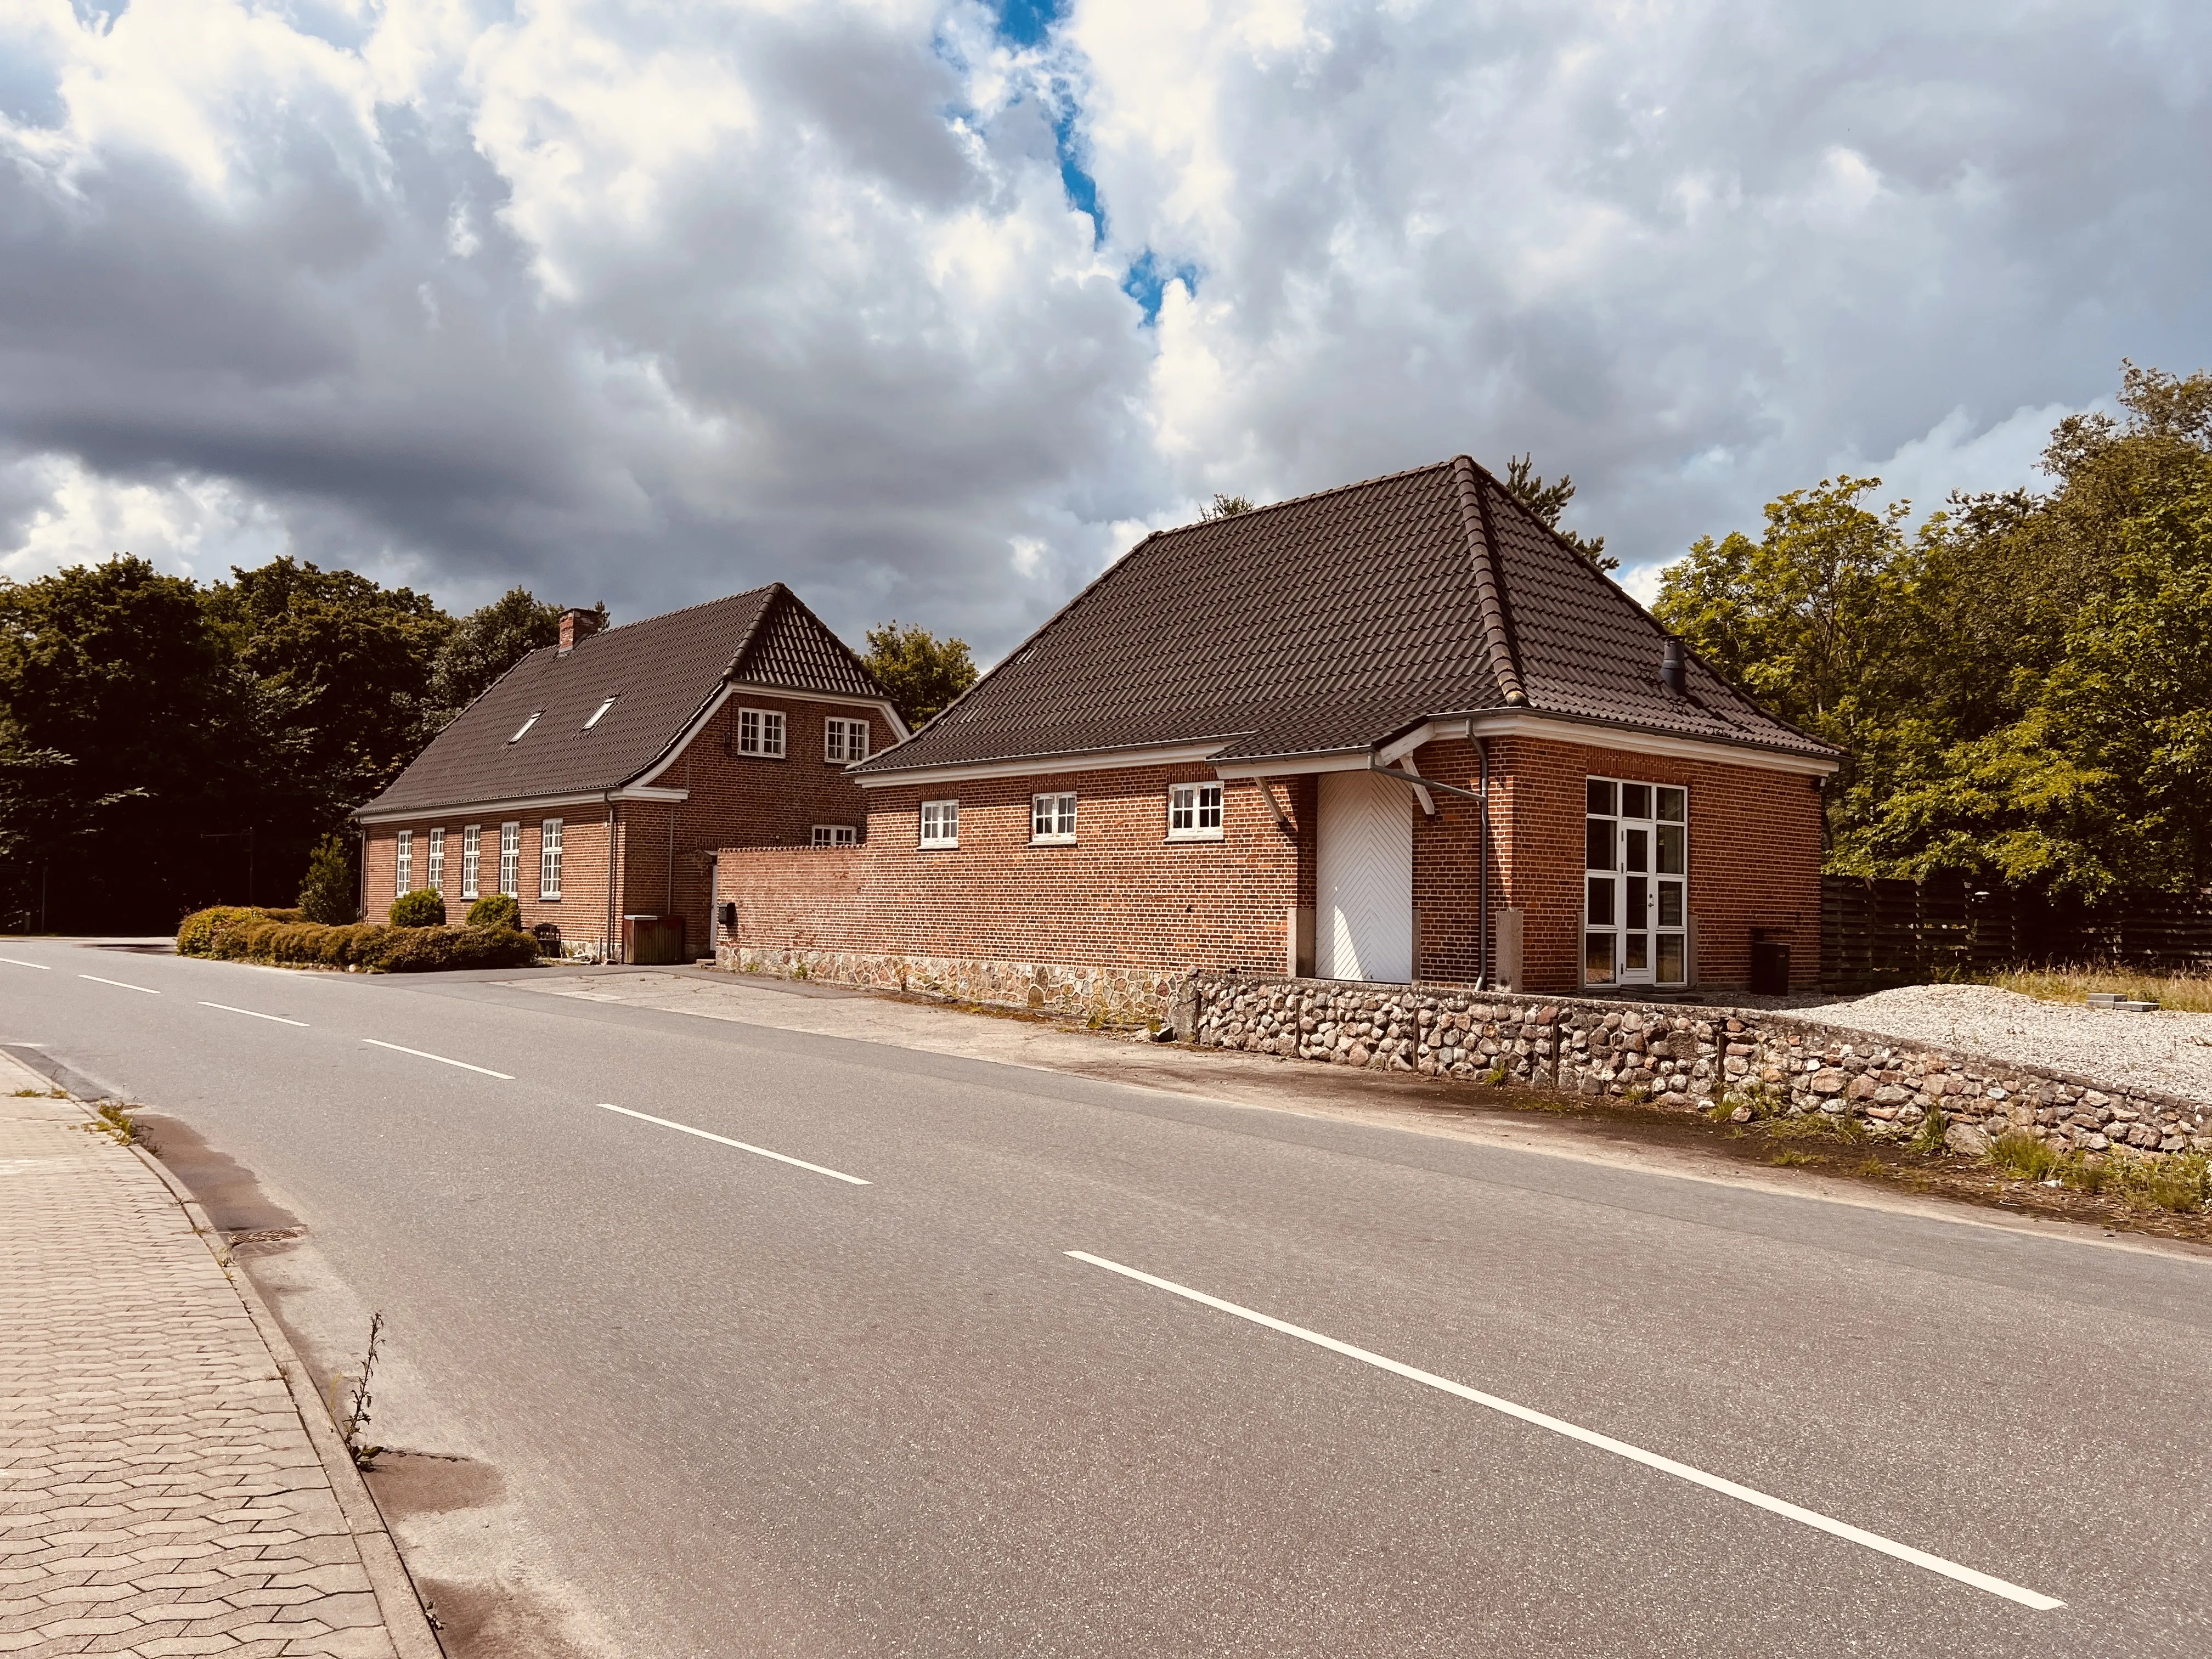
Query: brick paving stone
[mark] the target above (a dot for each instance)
(158, 1493)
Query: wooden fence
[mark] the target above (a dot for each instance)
(1872, 932)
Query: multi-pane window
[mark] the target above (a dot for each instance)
(406, 860)
(844, 741)
(836, 834)
(510, 859)
(940, 823)
(1052, 819)
(760, 731)
(435, 876)
(1636, 862)
(1195, 812)
(548, 859)
(472, 858)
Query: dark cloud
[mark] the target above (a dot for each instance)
(647, 306)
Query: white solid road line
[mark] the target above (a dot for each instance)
(18, 961)
(250, 1014)
(743, 1146)
(1981, 1581)
(420, 1054)
(143, 990)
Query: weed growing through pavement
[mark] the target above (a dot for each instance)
(355, 1424)
(112, 1118)
(41, 1094)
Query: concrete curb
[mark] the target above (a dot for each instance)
(405, 1619)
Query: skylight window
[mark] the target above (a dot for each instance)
(525, 725)
(597, 712)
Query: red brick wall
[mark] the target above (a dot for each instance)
(1124, 895)
(1755, 848)
(580, 912)
(663, 851)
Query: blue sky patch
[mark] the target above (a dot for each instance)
(1026, 23)
(1147, 278)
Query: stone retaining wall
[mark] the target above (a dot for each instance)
(1104, 996)
(1686, 1058)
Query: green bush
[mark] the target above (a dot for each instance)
(327, 894)
(197, 933)
(496, 910)
(423, 907)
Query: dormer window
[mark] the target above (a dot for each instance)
(597, 713)
(525, 725)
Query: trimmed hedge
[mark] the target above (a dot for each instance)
(496, 910)
(423, 907)
(234, 933)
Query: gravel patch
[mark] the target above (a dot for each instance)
(2170, 1053)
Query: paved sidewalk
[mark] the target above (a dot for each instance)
(159, 1493)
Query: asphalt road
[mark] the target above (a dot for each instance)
(753, 1407)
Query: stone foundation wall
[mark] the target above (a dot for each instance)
(1688, 1059)
(1104, 996)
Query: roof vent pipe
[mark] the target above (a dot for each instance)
(1674, 668)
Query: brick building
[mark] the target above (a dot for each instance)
(1395, 730)
(596, 778)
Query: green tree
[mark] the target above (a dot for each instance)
(2023, 690)
(1548, 501)
(487, 642)
(921, 672)
(329, 893)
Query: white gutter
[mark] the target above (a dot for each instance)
(1041, 766)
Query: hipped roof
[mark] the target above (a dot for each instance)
(1333, 623)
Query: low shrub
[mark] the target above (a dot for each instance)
(197, 933)
(238, 934)
(423, 907)
(496, 910)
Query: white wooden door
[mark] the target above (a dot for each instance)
(1364, 910)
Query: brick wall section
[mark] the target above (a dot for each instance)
(1755, 847)
(1123, 898)
(1687, 1059)
(733, 798)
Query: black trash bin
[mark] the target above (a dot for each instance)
(1770, 966)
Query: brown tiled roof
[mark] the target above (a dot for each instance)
(1332, 623)
(661, 673)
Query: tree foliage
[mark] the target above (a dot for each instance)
(163, 743)
(328, 894)
(1226, 506)
(2023, 687)
(923, 672)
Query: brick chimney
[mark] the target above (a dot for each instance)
(576, 625)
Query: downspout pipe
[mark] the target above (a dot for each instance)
(1482, 867)
(613, 945)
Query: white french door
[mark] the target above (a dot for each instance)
(1635, 883)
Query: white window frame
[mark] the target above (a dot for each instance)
(403, 863)
(520, 730)
(836, 834)
(1057, 811)
(471, 859)
(947, 827)
(510, 858)
(762, 733)
(433, 872)
(1651, 929)
(600, 713)
(548, 859)
(1195, 812)
(844, 742)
